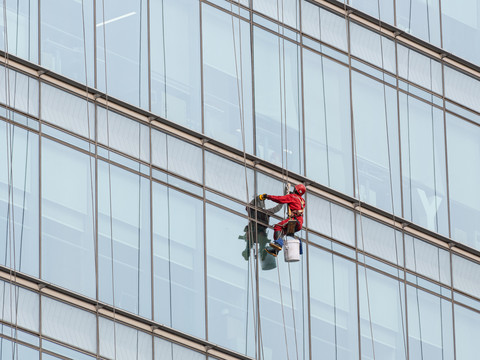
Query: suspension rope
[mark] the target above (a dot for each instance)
(251, 229)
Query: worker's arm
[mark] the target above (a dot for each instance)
(285, 199)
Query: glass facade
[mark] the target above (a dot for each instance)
(136, 134)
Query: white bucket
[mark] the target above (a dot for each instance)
(292, 250)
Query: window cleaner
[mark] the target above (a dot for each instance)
(294, 222)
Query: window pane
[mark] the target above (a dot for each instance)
(230, 309)
(22, 91)
(285, 11)
(62, 38)
(15, 351)
(126, 225)
(278, 101)
(385, 13)
(69, 324)
(382, 315)
(19, 307)
(327, 122)
(175, 61)
(333, 306)
(430, 326)
(121, 28)
(423, 164)
(462, 88)
(376, 143)
(458, 19)
(464, 138)
(227, 78)
(178, 267)
(421, 18)
(122, 342)
(165, 350)
(467, 326)
(67, 111)
(465, 275)
(19, 164)
(68, 251)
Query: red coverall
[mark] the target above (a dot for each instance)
(295, 203)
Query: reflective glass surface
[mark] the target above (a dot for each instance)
(420, 18)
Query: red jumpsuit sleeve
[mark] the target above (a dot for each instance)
(285, 199)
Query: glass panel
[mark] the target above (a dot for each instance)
(382, 316)
(333, 306)
(19, 307)
(380, 240)
(227, 78)
(68, 235)
(421, 18)
(69, 324)
(124, 134)
(460, 18)
(178, 265)
(285, 11)
(423, 164)
(327, 122)
(65, 351)
(419, 69)
(67, 111)
(122, 342)
(228, 177)
(284, 290)
(175, 61)
(462, 88)
(19, 198)
(22, 92)
(21, 29)
(376, 143)
(377, 8)
(67, 39)
(180, 157)
(464, 138)
(121, 28)
(124, 223)
(278, 101)
(14, 351)
(430, 326)
(371, 46)
(165, 350)
(231, 315)
(324, 25)
(465, 275)
(427, 260)
(467, 326)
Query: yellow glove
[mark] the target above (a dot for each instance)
(263, 197)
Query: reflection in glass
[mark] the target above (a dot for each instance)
(68, 218)
(175, 61)
(327, 122)
(285, 11)
(333, 306)
(421, 18)
(64, 48)
(178, 265)
(423, 164)
(121, 29)
(227, 78)
(376, 143)
(278, 108)
(124, 233)
(19, 198)
(467, 327)
(22, 92)
(384, 13)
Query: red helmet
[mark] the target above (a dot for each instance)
(300, 189)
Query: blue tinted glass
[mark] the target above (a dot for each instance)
(175, 61)
(230, 311)
(285, 11)
(333, 306)
(464, 138)
(467, 325)
(462, 88)
(124, 221)
(376, 143)
(14, 351)
(421, 18)
(382, 9)
(19, 307)
(178, 265)
(19, 194)
(121, 28)
(22, 92)
(68, 249)
(63, 44)
(278, 101)
(423, 164)
(227, 78)
(327, 122)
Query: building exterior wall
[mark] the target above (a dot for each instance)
(136, 133)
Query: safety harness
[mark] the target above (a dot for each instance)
(292, 217)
